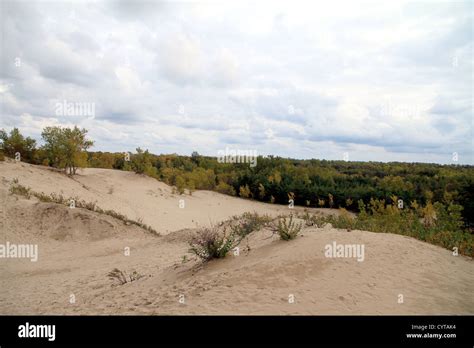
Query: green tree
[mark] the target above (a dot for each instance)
(180, 184)
(17, 143)
(142, 163)
(65, 147)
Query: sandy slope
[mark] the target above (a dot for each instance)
(77, 248)
(137, 196)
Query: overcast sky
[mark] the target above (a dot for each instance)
(379, 81)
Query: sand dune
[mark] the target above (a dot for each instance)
(77, 248)
(137, 196)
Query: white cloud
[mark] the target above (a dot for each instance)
(383, 80)
(180, 58)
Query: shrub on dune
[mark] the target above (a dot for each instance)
(210, 243)
(120, 277)
(248, 223)
(20, 190)
(288, 229)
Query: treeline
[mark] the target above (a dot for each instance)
(63, 148)
(312, 183)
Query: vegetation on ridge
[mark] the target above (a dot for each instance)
(431, 202)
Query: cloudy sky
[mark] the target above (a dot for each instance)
(379, 81)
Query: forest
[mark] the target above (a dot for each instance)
(312, 183)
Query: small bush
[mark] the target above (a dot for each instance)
(244, 192)
(348, 202)
(225, 188)
(344, 220)
(118, 276)
(288, 230)
(121, 277)
(20, 190)
(308, 219)
(210, 243)
(180, 184)
(247, 223)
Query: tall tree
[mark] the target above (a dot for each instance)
(17, 143)
(66, 147)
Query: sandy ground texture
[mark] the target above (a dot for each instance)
(78, 248)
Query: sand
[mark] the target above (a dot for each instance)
(78, 248)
